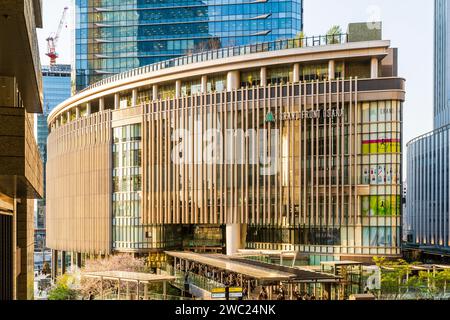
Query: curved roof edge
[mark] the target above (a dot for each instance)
(340, 51)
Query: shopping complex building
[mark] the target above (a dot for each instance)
(287, 145)
(428, 200)
(113, 36)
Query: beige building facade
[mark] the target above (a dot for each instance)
(280, 146)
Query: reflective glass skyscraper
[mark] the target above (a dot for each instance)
(428, 195)
(113, 36)
(441, 64)
(57, 88)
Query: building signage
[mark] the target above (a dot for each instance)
(235, 292)
(218, 293)
(306, 114)
(311, 114)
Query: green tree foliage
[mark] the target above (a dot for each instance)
(299, 39)
(333, 35)
(401, 278)
(62, 289)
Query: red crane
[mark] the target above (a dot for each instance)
(52, 40)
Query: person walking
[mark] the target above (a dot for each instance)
(263, 294)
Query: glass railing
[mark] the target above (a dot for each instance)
(194, 279)
(133, 296)
(226, 53)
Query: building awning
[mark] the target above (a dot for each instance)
(217, 261)
(340, 263)
(255, 269)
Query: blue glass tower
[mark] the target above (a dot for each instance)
(428, 200)
(57, 88)
(113, 36)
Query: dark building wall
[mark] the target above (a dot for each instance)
(6, 257)
(20, 163)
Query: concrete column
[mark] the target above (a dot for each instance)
(78, 259)
(165, 290)
(54, 264)
(296, 72)
(88, 109)
(331, 70)
(116, 101)
(68, 116)
(101, 104)
(177, 88)
(233, 80)
(374, 68)
(134, 94)
(204, 85)
(233, 238)
(263, 76)
(77, 113)
(155, 92)
(63, 262)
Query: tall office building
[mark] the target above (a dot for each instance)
(57, 88)
(441, 64)
(291, 145)
(113, 36)
(428, 196)
(21, 179)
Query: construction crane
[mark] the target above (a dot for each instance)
(52, 40)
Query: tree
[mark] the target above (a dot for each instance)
(300, 39)
(118, 262)
(63, 289)
(210, 44)
(334, 35)
(398, 279)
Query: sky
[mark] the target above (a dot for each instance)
(407, 23)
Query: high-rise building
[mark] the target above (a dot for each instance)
(57, 88)
(21, 179)
(428, 196)
(441, 64)
(113, 36)
(289, 145)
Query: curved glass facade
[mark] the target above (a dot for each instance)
(441, 64)
(128, 232)
(113, 36)
(427, 205)
(428, 195)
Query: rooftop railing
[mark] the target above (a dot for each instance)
(226, 53)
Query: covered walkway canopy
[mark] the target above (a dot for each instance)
(255, 269)
(256, 277)
(220, 262)
(129, 276)
(135, 277)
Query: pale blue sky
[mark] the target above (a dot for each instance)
(407, 23)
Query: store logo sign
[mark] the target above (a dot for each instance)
(270, 118)
(312, 114)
